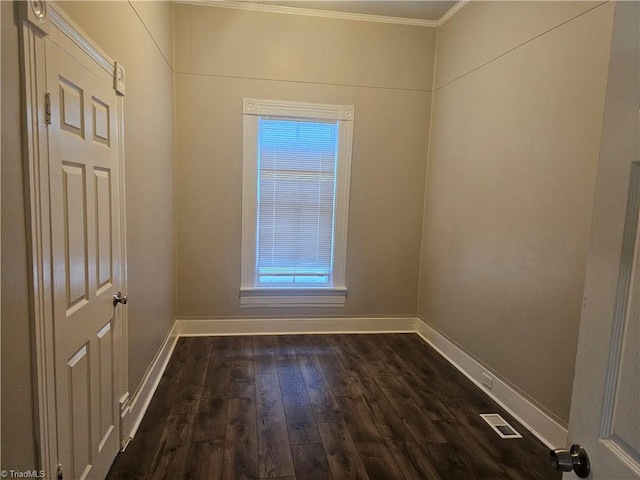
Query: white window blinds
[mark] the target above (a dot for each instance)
(296, 201)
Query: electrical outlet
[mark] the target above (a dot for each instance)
(487, 380)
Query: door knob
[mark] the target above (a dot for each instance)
(575, 459)
(119, 298)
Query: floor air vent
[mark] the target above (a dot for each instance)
(500, 425)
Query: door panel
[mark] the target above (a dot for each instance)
(627, 397)
(79, 411)
(104, 260)
(105, 372)
(100, 122)
(620, 432)
(605, 406)
(75, 222)
(85, 226)
(71, 107)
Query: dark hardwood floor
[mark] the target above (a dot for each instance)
(299, 407)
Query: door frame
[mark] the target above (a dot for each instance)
(40, 19)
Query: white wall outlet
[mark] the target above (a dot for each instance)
(487, 380)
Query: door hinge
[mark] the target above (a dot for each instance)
(47, 108)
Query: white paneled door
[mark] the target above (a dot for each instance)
(605, 410)
(86, 259)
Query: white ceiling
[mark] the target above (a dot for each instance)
(416, 9)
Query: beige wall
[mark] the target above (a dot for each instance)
(510, 182)
(122, 30)
(223, 55)
(483, 31)
(253, 45)
(157, 17)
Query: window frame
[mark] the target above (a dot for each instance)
(304, 296)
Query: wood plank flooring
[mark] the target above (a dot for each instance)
(337, 407)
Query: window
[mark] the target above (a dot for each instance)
(297, 165)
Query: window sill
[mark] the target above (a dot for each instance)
(289, 297)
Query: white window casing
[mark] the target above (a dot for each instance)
(252, 293)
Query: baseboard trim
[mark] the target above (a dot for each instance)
(141, 398)
(539, 423)
(189, 327)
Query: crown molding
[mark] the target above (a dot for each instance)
(451, 12)
(308, 12)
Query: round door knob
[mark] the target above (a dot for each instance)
(119, 298)
(575, 459)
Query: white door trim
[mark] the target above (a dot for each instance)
(37, 21)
